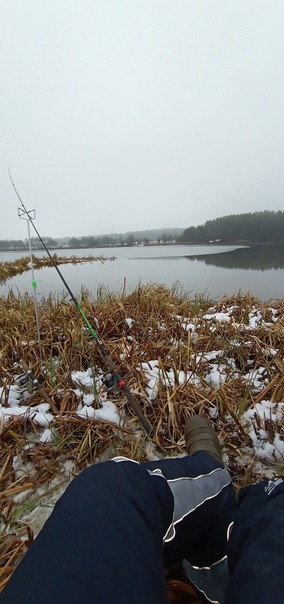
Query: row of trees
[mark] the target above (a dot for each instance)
(102, 241)
(257, 227)
(19, 244)
(80, 242)
(108, 240)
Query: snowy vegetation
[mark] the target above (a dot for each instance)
(178, 356)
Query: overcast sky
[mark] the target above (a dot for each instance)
(120, 115)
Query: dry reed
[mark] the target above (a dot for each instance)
(152, 323)
(22, 265)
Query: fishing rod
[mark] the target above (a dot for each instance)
(117, 380)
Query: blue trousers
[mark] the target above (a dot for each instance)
(120, 523)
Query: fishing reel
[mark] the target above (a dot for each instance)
(111, 383)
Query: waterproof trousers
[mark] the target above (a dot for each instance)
(119, 523)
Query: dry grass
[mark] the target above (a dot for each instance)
(22, 265)
(159, 330)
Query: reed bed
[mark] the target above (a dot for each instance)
(151, 329)
(22, 265)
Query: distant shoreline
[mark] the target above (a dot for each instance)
(190, 243)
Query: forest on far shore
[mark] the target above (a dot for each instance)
(257, 227)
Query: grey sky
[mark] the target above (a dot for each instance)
(120, 115)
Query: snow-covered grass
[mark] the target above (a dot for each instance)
(178, 356)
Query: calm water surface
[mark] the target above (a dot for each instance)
(212, 270)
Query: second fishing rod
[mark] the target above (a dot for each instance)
(112, 368)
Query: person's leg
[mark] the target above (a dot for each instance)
(256, 545)
(102, 543)
(203, 498)
(204, 506)
(104, 540)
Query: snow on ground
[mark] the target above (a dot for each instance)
(268, 445)
(37, 504)
(214, 366)
(40, 500)
(40, 414)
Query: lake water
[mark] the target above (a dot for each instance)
(208, 270)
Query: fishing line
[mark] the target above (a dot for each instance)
(116, 375)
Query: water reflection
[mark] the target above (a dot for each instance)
(256, 257)
(222, 271)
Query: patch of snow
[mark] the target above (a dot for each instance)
(83, 378)
(217, 376)
(269, 352)
(88, 399)
(149, 365)
(254, 420)
(108, 412)
(156, 376)
(46, 436)
(265, 410)
(213, 413)
(48, 493)
(20, 468)
(6, 412)
(40, 414)
(256, 378)
(186, 323)
(255, 318)
(14, 395)
(85, 412)
(220, 317)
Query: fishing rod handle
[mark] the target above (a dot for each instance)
(133, 403)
